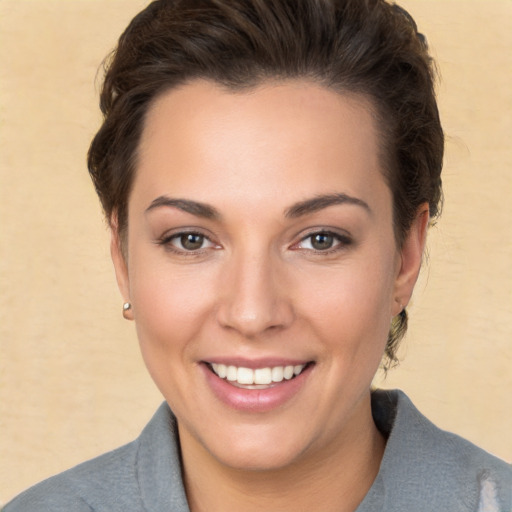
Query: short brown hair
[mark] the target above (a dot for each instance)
(368, 47)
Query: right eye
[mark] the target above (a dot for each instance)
(187, 242)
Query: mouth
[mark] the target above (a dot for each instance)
(257, 378)
(256, 386)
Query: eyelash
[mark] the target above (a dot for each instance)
(341, 242)
(167, 243)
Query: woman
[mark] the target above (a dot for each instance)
(269, 170)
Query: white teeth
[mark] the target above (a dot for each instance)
(263, 376)
(244, 376)
(222, 371)
(277, 374)
(259, 376)
(231, 373)
(288, 372)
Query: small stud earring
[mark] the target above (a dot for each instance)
(126, 309)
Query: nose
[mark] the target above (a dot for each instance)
(254, 298)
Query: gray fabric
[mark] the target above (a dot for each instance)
(143, 476)
(423, 470)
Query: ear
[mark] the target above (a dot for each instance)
(411, 255)
(120, 265)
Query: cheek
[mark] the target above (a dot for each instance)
(170, 304)
(351, 305)
(171, 311)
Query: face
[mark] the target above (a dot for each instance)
(262, 267)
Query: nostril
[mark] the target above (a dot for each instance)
(252, 318)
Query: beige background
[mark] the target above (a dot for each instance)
(72, 383)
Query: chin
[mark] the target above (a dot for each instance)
(254, 448)
(268, 458)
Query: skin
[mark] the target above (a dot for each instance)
(258, 287)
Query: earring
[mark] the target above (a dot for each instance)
(126, 311)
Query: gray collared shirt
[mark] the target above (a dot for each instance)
(424, 469)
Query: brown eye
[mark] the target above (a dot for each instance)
(322, 241)
(191, 241)
(187, 242)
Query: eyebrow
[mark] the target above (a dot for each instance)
(299, 209)
(323, 201)
(193, 207)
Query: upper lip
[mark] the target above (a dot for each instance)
(264, 362)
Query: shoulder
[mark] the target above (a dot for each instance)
(436, 467)
(107, 478)
(142, 475)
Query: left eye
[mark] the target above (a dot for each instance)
(322, 241)
(190, 241)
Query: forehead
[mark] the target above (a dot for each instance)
(297, 136)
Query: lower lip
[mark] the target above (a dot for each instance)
(255, 400)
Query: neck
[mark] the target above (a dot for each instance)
(335, 478)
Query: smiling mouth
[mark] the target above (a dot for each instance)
(259, 378)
